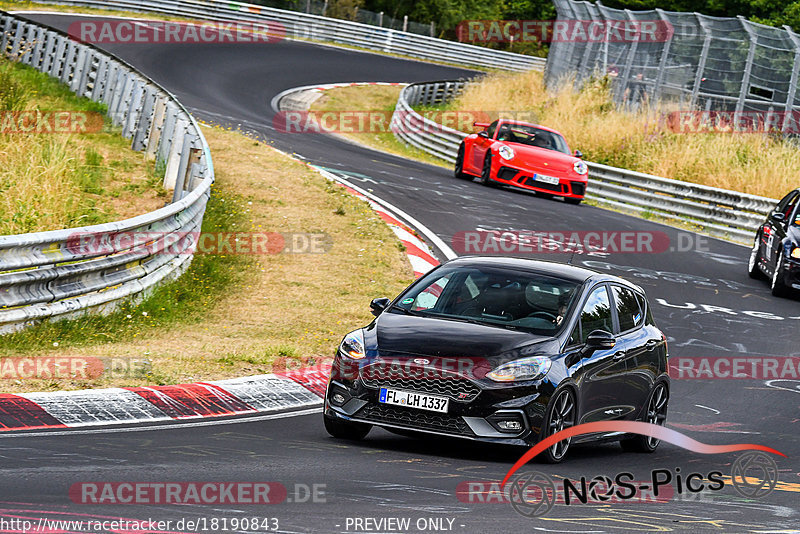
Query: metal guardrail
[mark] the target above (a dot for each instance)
(318, 28)
(720, 212)
(63, 272)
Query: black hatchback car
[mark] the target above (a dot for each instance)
(503, 350)
(776, 251)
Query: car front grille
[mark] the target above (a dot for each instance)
(445, 385)
(529, 181)
(414, 419)
(578, 188)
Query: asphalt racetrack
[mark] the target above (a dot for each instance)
(698, 287)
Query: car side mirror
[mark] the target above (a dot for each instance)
(578, 154)
(777, 217)
(378, 305)
(599, 340)
(484, 133)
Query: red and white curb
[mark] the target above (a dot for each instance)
(302, 388)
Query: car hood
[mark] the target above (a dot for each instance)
(537, 157)
(395, 334)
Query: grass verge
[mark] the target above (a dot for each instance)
(237, 315)
(377, 99)
(60, 180)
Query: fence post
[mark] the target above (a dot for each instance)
(405, 23)
(585, 61)
(789, 108)
(662, 63)
(626, 76)
(701, 65)
(748, 67)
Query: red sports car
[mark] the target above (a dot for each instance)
(523, 155)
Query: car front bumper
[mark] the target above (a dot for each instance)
(791, 273)
(475, 418)
(568, 187)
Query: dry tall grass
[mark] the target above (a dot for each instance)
(641, 140)
(50, 181)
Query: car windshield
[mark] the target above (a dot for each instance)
(517, 300)
(530, 135)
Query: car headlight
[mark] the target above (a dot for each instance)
(530, 368)
(580, 167)
(506, 152)
(352, 345)
(795, 253)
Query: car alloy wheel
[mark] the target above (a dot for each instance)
(656, 414)
(755, 258)
(560, 416)
(778, 287)
(458, 171)
(486, 172)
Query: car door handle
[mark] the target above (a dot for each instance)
(650, 345)
(620, 354)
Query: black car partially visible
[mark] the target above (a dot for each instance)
(503, 350)
(776, 250)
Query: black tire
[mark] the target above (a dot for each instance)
(458, 170)
(561, 414)
(573, 201)
(486, 172)
(346, 429)
(656, 413)
(777, 286)
(755, 258)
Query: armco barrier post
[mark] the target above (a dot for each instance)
(177, 143)
(156, 126)
(183, 166)
(142, 128)
(133, 109)
(168, 135)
